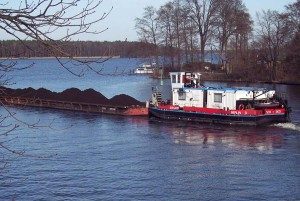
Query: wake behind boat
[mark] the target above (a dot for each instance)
(237, 106)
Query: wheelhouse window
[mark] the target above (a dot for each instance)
(181, 95)
(218, 98)
(178, 78)
(174, 78)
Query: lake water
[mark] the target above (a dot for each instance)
(81, 156)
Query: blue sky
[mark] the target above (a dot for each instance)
(120, 22)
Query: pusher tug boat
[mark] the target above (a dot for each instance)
(234, 106)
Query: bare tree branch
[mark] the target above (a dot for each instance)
(44, 21)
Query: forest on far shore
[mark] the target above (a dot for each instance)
(256, 70)
(30, 49)
(218, 37)
(265, 47)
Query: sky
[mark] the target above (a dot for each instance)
(120, 23)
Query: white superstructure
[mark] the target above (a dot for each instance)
(187, 91)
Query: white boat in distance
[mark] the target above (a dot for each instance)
(144, 69)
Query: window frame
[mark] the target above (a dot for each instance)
(217, 97)
(181, 95)
(174, 79)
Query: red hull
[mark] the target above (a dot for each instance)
(249, 112)
(218, 116)
(136, 112)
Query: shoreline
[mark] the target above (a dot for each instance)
(79, 57)
(211, 79)
(205, 76)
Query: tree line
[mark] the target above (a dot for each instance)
(32, 48)
(179, 34)
(190, 29)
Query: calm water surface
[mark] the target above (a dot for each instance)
(103, 157)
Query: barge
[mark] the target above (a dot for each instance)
(194, 102)
(74, 100)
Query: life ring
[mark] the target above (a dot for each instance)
(241, 107)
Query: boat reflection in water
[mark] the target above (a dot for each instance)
(263, 139)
